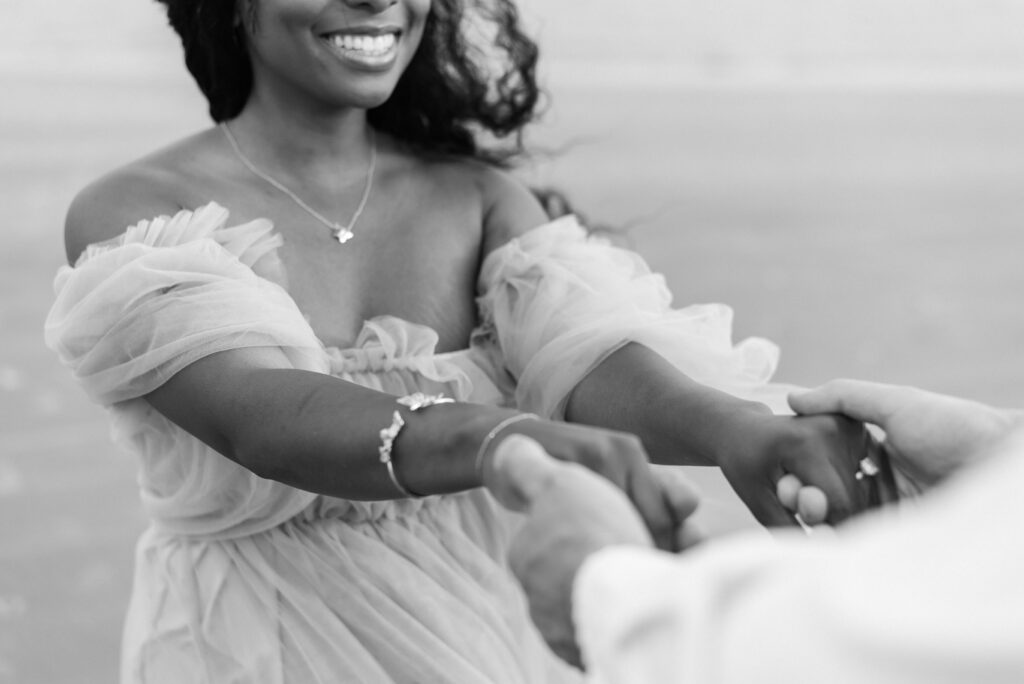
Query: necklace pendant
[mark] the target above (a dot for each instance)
(339, 232)
(342, 234)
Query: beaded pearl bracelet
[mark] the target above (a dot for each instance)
(388, 435)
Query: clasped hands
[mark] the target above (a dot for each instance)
(780, 466)
(572, 513)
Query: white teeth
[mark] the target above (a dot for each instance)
(369, 45)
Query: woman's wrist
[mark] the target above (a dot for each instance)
(489, 443)
(699, 425)
(438, 448)
(681, 421)
(745, 426)
(416, 401)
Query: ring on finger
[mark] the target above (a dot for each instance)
(867, 468)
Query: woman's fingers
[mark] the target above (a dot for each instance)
(682, 498)
(830, 458)
(682, 495)
(688, 535)
(620, 457)
(769, 511)
(886, 489)
(654, 507)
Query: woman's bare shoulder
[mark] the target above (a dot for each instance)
(512, 208)
(508, 207)
(108, 205)
(159, 183)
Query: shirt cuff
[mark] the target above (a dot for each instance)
(604, 607)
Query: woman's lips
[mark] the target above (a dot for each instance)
(371, 50)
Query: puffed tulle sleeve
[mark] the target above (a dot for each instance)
(137, 309)
(134, 311)
(555, 302)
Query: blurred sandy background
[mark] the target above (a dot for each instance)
(848, 174)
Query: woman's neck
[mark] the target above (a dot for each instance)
(285, 140)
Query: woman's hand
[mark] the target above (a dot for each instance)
(570, 514)
(617, 456)
(823, 452)
(684, 422)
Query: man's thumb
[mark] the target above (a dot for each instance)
(522, 472)
(867, 401)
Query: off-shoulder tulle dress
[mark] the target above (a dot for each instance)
(240, 579)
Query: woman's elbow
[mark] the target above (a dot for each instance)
(258, 454)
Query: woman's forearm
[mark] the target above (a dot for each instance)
(680, 421)
(327, 438)
(319, 433)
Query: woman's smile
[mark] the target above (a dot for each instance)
(372, 49)
(343, 54)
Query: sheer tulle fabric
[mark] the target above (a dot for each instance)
(241, 579)
(555, 302)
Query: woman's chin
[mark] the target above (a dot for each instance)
(364, 98)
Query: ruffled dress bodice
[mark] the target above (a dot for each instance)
(243, 579)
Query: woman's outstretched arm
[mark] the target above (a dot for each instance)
(163, 311)
(561, 303)
(682, 422)
(320, 433)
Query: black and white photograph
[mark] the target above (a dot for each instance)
(512, 342)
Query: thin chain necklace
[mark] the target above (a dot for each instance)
(339, 232)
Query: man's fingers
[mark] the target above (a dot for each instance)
(842, 494)
(866, 401)
(812, 505)
(809, 501)
(523, 471)
(786, 489)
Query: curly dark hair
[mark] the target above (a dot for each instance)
(458, 97)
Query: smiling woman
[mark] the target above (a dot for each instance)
(442, 97)
(318, 51)
(287, 378)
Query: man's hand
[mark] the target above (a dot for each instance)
(571, 513)
(928, 436)
(619, 457)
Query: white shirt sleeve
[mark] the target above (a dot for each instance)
(934, 593)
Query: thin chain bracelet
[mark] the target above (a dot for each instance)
(388, 435)
(511, 420)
